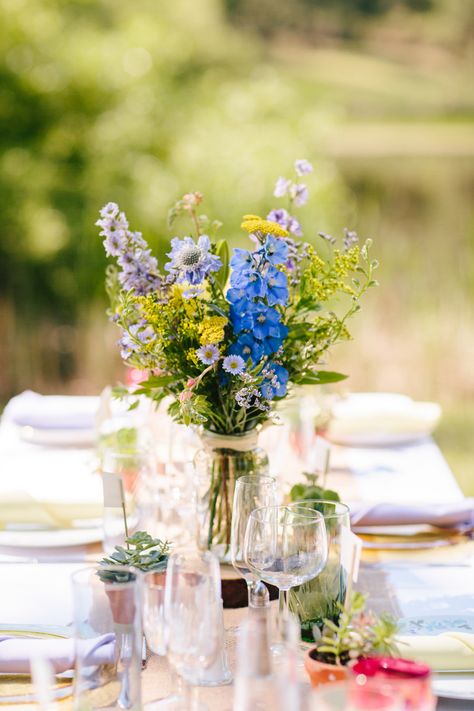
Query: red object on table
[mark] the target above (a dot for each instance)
(410, 679)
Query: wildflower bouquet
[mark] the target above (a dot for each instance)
(227, 336)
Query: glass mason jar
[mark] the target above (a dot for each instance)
(319, 598)
(220, 462)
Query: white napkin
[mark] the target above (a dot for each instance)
(381, 418)
(456, 515)
(16, 652)
(52, 411)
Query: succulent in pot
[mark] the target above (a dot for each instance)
(356, 634)
(143, 553)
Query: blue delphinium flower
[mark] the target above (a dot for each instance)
(247, 347)
(276, 379)
(239, 300)
(241, 320)
(234, 364)
(208, 354)
(190, 261)
(276, 250)
(253, 283)
(277, 287)
(242, 260)
(266, 321)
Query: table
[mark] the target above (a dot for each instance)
(402, 473)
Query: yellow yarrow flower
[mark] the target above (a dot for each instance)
(253, 223)
(212, 330)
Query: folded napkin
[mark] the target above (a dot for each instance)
(52, 411)
(448, 651)
(19, 508)
(459, 515)
(381, 415)
(16, 652)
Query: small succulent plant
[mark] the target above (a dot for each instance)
(143, 552)
(356, 634)
(312, 490)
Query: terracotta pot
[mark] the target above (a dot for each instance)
(322, 673)
(122, 603)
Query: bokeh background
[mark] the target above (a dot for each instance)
(139, 102)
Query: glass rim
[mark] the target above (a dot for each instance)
(346, 510)
(255, 478)
(76, 576)
(313, 514)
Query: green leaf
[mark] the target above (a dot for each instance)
(222, 251)
(318, 377)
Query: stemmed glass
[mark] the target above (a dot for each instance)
(251, 492)
(285, 546)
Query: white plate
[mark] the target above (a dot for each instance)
(58, 437)
(58, 538)
(454, 686)
(367, 439)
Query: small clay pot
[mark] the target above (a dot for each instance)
(322, 673)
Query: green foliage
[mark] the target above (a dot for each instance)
(357, 633)
(311, 490)
(143, 552)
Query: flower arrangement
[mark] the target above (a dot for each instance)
(227, 349)
(227, 336)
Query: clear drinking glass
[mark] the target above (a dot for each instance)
(285, 546)
(108, 638)
(251, 492)
(319, 599)
(193, 618)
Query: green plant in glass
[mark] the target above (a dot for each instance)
(142, 552)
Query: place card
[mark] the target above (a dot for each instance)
(113, 490)
(351, 550)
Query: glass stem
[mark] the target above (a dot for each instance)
(190, 696)
(250, 584)
(284, 613)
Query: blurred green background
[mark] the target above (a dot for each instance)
(140, 102)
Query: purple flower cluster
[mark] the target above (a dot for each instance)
(139, 269)
(287, 221)
(296, 191)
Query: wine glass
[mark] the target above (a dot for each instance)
(251, 492)
(285, 546)
(193, 618)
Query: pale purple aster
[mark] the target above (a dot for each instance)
(350, 238)
(303, 167)
(110, 210)
(208, 354)
(283, 218)
(299, 194)
(115, 243)
(233, 364)
(127, 346)
(192, 262)
(282, 187)
(143, 334)
(192, 292)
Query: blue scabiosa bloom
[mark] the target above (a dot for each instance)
(192, 262)
(247, 347)
(234, 364)
(276, 250)
(208, 354)
(276, 379)
(277, 287)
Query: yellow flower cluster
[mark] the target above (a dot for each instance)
(212, 330)
(254, 223)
